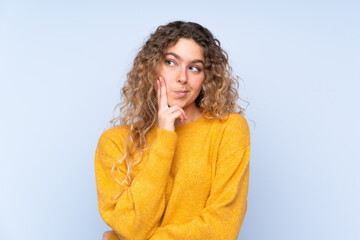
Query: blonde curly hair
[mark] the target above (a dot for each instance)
(138, 108)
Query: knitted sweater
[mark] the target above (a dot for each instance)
(189, 184)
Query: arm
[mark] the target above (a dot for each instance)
(226, 206)
(138, 210)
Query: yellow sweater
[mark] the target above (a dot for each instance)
(190, 184)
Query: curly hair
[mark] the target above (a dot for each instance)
(138, 108)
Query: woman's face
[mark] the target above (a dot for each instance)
(183, 72)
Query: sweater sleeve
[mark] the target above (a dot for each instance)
(226, 206)
(135, 214)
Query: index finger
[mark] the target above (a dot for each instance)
(158, 92)
(163, 96)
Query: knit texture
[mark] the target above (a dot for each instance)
(190, 184)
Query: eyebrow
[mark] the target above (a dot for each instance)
(180, 58)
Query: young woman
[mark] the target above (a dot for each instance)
(177, 164)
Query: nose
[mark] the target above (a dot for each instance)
(182, 76)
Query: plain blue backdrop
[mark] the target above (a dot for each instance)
(62, 65)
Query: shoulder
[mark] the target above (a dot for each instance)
(235, 122)
(235, 130)
(111, 141)
(115, 132)
(236, 119)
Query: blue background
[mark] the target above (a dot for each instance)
(62, 65)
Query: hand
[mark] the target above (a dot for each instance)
(106, 235)
(167, 115)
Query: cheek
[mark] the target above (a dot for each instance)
(198, 84)
(166, 75)
(164, 71)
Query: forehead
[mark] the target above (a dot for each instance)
(187, 49)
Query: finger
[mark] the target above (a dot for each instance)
(177, 115)
(184, 114)
(158, 92)
(178, 108)
(163, 95)
(106, 235)
(162, 106)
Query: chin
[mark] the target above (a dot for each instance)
(181, 104)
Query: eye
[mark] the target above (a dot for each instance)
(170, 62)
(194, 68)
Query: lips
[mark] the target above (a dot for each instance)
(181, 93)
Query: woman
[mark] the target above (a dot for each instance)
(177, 164)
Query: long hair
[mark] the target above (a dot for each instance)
(138, 108)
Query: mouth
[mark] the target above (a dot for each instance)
(181, 93)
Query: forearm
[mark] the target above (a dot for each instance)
(138, 210)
